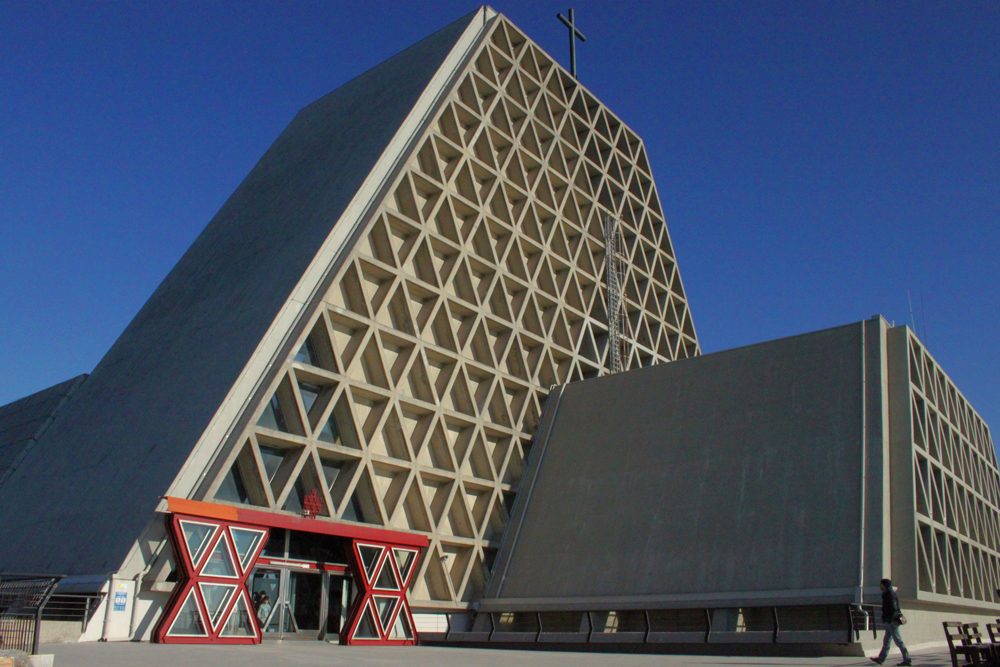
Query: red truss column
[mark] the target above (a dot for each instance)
(210, 603)
(380, 613)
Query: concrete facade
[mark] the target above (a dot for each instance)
(376, 314)
(750, 491)
(945, 485)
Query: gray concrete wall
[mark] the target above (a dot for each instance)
(878, 521)
(904, 537)
(735, 475)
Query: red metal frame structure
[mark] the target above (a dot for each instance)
(210, 603)
(380, 613)
(215, 553)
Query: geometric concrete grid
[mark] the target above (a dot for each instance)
(414, 393)
(956, 488)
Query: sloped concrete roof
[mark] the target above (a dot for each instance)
(77, 502)
(24, 421)
(723, 479)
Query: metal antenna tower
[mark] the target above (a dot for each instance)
(618, 322)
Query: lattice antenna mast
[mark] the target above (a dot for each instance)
(618, 322)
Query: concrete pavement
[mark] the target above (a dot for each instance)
(302, 654)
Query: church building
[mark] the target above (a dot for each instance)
(323, 420)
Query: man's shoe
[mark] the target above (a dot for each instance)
(905, 663)
(878, 661)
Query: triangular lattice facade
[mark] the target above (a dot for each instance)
(412, 393)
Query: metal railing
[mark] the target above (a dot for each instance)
(72, 607)
(865, 617)
(22, 600)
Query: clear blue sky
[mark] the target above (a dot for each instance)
(815, 160)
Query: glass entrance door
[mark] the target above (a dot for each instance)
(303, 602)
(266, 591)
(338, 603)
(289, 603)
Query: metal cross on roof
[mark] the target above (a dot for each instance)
(573, 34)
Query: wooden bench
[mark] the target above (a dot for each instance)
(994, 631)
(965, 639)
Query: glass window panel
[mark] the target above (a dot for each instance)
(306, 355)
(197, 536)
(296, 497)
(366, 626)
(220, 563)
(404, 559)
(245, 540)
(401, 627)
(289, 620)
(385, 607)
(272, 458)
(232, 488)
(265, 588)
(331, 470)
(275, 546)
(387, 578)
(353, 510)
(239, 624)
(188, 622)
(216, 598)
(317, 547)
(309, 393)
(305, 592)
(330, 433)
(273, 417)
(369, 558)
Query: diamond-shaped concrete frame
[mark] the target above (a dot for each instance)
(477, 285)
(956, 485)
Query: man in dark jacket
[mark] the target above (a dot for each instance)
(891, 617)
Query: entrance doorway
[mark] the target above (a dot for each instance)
(300, 604)
(322, 579)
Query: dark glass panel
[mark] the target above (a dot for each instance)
(272, 458)
(233, 489)
(310, 393)
(275, 547)
(331, 470)
(273, 417)
(330, 433)
(317, 547)
(306, 354)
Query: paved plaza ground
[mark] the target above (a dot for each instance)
(300, 654)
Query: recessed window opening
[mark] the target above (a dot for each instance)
(310, 393)
(233, 489)
(273, 417)
(272, 458)
(296, 497)
(353, 511)
(331, 471)
(306, 353)
(330, 433)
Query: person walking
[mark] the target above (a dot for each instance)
(892, 617)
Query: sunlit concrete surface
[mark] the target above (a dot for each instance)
(317, 653)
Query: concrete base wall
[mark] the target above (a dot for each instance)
(60, 632)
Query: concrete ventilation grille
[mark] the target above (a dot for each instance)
(956, 485)
(412, 399)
